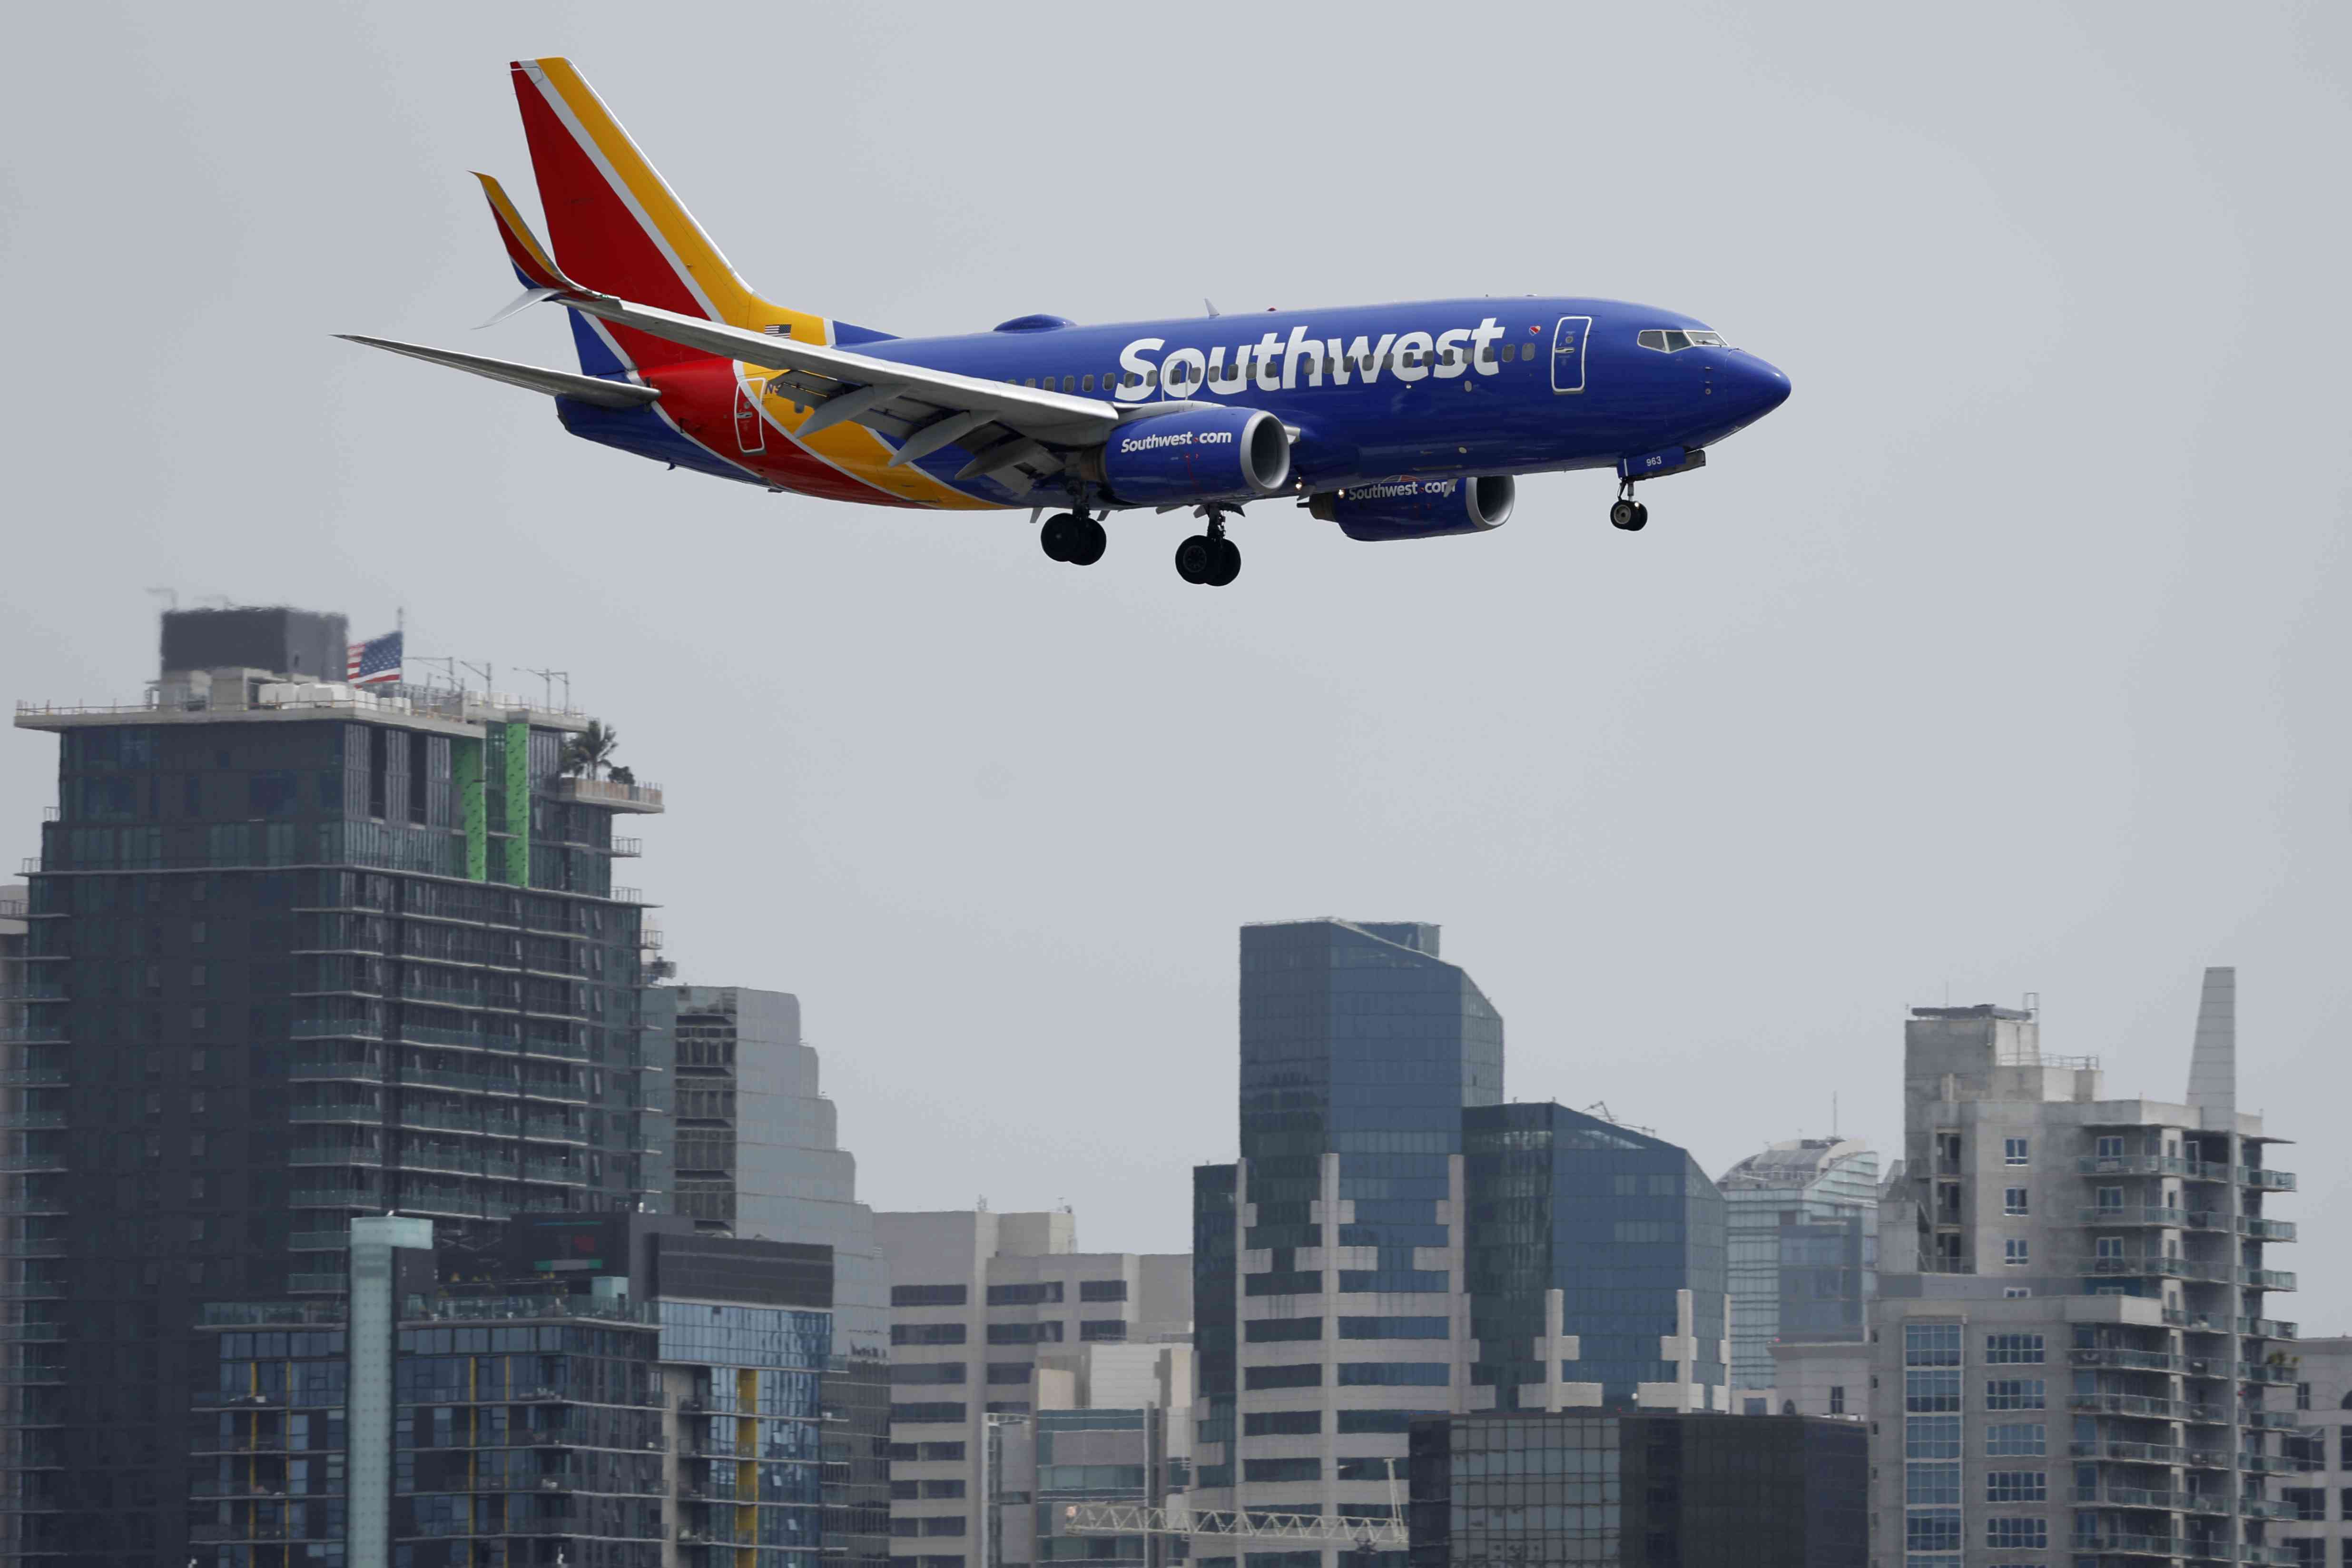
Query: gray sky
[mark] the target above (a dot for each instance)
(2010, 655)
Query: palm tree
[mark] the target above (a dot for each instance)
(590, 752)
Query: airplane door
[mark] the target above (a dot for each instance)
(1568, 353)
(750, 430)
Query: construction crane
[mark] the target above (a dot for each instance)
(1297, 1528)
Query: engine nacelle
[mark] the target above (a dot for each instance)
(1418, 509)
(1209, 454)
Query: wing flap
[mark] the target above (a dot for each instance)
(553, 383)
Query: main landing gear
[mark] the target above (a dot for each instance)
(1628, 513)
(1073, 537)
(1209, 558)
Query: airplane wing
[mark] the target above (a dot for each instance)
(555, 382)
(924, 410)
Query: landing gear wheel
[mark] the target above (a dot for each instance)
(1630, 515)
(1196, 558)
(1087, 541)
(1227, 564)
(1061, 533)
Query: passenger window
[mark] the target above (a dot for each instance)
(1487, 354)
(1090, 383)
(1069, 384)
(1031, 381)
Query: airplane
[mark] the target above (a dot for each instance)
(1403, 421)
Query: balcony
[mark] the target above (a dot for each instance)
(2141, 1361)
(337, 1029)
(2127, 1545)
(2266, 1229)
(2275, 1420)
(370, 1114)
(627, 846)
(2266, 1180)
(2133, 1165)
(268, 1314)
(333, 1155)
(607, 793)
(2263, 1372)
(313, 1070)
(2135, 1496)
(2132, 1405)
(333, 1284)
(318, 1240)
(337, 1197)
(1947, 1266)
(2137, 1453)
(463, 1082)
(2266, 1278)
(2135, 1213)
(2271, 1464)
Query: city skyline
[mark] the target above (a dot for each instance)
(2015, 671)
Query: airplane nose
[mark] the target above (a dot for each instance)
(1757, 386)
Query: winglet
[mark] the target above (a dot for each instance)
(532, 262)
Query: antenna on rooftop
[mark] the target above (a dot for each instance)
(546, 680)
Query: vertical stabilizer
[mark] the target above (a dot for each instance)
(2214, 1060)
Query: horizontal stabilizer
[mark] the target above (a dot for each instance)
(555, 382)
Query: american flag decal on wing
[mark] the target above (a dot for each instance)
(374, 662)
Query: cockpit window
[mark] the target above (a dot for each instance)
(1673, 340)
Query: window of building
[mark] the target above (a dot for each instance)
(2017, 1486)
(2308, 1552)
(1754, 1406)
(2017, 1534)
(1393, 1328)
(2016, 1292)
(1931, 1344)
(2014, 1252)
(2024, 1439)
(905, 1491)
(1281, 1424)
(2001, 1349)
(937, 1453)
(1301, 1374)
(2016, 1151)
(945, 1524)
(928, 1295)
(2109, 1199)
(2303, 1396)
(1397, 1374)
(1357, 1421)
(2108, 1246)
(928, 1562)
(1932, 1529)
(1102, 1290)
(936, 1490)
(1028, 1294)
(2308, 1502)
(1281, 1469)
(2016, 1394)
(1931, 1390)
(1046, 1333)
(2109, 1148)
(927, 1371)
(1932, 1483)
(1837, 1399)
(2012, 1201)
(939, 1414)
(1003, 1371)
(1103, 1330)
(1269, 1330)
(927, 1334)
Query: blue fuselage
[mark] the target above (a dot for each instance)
(1448, 387)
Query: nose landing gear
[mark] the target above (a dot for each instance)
(1209, 558)
(1073, 537)
(1628, 513)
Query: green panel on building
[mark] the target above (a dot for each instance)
(519, 802)
(466, 759)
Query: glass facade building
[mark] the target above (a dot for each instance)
(1326, 1267)
(1648, 1490)
(1802, 1219)
(296, 952)
(1582, 1227)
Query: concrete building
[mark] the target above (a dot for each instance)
(2314, 1521)
(759, 1154)
(1801, 1224)
(996, 1316)
(1073, 1450)
(299, 951)
(2071, 1350)
(1651, 1490)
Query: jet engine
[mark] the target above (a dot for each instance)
(1418, 509)
(1208, 454)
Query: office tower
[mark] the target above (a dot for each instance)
(299, 951)
(1329, 1260)
(2070, 1348)
(2315, 1502)
(1595, 1262)
(1116, 1428)
(759, 1154)
(1651, 1490)
(1801, 1220)
(595, 1389)
(993, 1316)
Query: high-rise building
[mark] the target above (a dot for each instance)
(1595, 1264)
(759, 1154)
(2070, 1348)
(609, 1391)
(1652, 1489)
(298, 951)
(1329, 1260)
(1116, 1427)
(2314, 1503)
(1801, 1221)
(994, 1317)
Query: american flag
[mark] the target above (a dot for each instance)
(374, 662)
